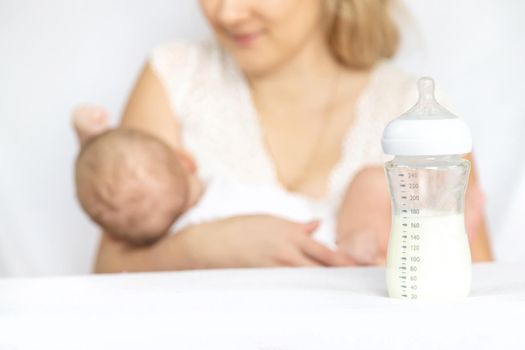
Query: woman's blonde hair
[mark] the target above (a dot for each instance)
(361, 32)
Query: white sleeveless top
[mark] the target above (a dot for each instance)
(221, 129)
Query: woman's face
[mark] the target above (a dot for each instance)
(263, 34)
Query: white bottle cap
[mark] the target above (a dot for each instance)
(427, 129)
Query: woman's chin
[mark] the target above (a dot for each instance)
(252, 60)
(255, 63)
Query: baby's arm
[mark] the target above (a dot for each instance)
(363, 222)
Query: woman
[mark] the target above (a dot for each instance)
(293, 93)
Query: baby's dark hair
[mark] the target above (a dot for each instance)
(131, 184)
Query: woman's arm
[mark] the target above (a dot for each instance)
(244, 241)
(475, 217)
(117, 256)
(149, 110)
(363, 220)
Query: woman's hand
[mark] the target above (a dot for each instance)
(259, 241)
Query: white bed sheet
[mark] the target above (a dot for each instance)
(343, 308)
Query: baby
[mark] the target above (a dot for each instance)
(129, 182)
(136, 187)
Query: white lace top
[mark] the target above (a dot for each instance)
(220, 127)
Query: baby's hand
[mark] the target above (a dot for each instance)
(89, 121)
(362, 246)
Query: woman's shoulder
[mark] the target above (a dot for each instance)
(184, 52)
(180, 59)
(189, 67)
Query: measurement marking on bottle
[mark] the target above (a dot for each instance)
(410, 231)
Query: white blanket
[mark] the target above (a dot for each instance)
(258, 309)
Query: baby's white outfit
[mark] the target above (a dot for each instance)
(223, 198)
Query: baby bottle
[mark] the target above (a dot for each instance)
(428, 251)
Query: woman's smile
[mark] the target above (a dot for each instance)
(245, 39)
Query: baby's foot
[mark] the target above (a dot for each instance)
(89, 121)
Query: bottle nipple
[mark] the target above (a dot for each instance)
(426, 89)
(427, 107)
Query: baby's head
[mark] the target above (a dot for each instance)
(131, 184)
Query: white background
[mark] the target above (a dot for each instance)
(55, 54)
